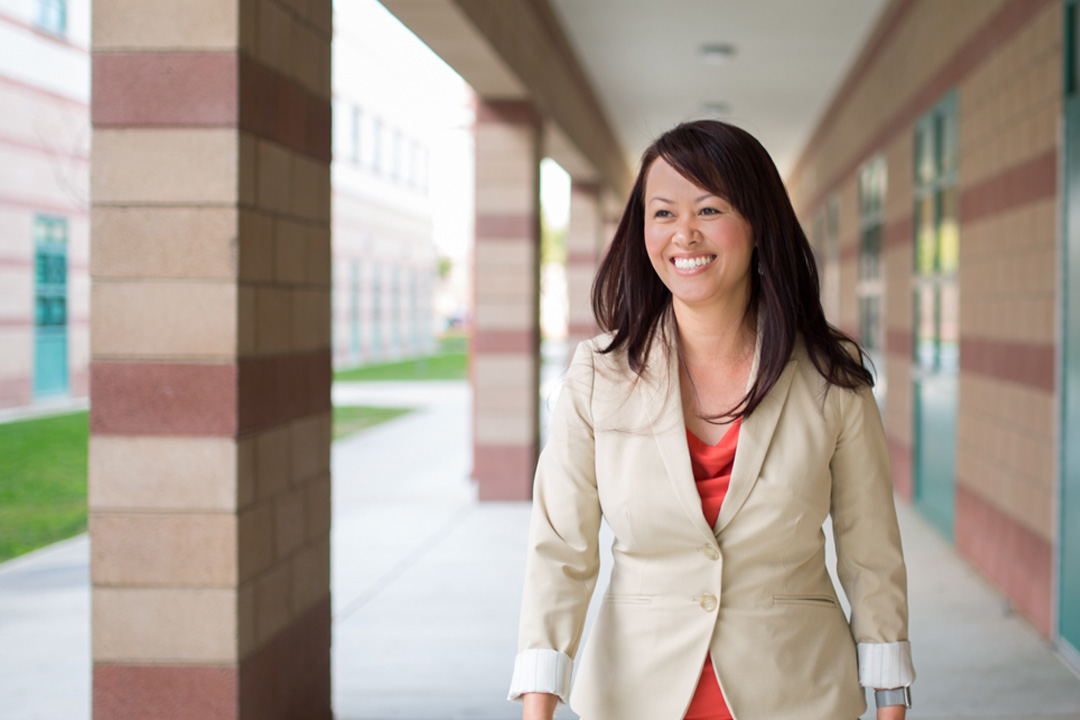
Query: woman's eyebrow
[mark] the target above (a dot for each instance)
(657, 198)
(706, 196)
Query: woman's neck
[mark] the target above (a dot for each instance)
(715, 334)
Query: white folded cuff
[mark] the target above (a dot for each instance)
(885, 665)
(541, 670)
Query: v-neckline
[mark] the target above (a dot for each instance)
(727, 431)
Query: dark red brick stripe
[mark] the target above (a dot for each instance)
(514, 112)
(588, 189)
(278, 108)
(505, 341)
(899, 342)
(499, 227)
(1008, 21)
(582, 330)
(162, 399)
(1016, 560)
(209, 89)
(289, 677)
(148, 89)
(279, 389)
(504, 472)
(898, 232)
(1030, 364)
(1021, 184)
(136, 398)
(582, 257)
(165, 692)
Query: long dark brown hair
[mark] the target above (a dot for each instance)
(629, 299)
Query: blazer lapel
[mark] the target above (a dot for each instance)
(754, 438)
(664, 410)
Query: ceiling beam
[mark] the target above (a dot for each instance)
(517, 50)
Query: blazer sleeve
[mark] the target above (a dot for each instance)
(563, 551)
(870, 560)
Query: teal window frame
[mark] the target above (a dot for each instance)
(870, 278)
(52, 16)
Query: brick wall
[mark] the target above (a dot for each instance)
(1003, 58)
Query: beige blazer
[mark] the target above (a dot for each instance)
(753, 590)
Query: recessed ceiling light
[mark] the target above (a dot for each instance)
(715, 109)
(717, 53)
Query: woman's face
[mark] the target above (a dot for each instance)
(699, 245)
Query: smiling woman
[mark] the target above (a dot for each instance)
(715, 426)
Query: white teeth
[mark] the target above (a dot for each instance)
(691, 263)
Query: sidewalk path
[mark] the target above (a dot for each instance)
(427, 583)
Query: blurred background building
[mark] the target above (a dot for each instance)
(401, 189)
(402, 196)
(44, 200)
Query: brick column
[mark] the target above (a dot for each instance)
(584, 242)
(210, 375)
(506, 334)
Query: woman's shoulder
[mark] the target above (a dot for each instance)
(836, 398)
(597, 352)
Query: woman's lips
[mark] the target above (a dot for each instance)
(689, 265)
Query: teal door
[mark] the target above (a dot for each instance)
(936, 319)
(1069, 570)
(50, 307)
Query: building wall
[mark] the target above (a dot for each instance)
(44, 173)
(392, 102)
(1003, 60)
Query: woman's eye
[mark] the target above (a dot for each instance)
(662, 213)
(710, 211)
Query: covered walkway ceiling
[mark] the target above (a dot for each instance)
(611, 74)
(646, 64)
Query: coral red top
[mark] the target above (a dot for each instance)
(712, 472)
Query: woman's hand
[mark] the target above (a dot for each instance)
(890, 712)
(541, 706)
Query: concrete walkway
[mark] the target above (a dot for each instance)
(427, 583)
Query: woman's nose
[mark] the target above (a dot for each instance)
(685, 231)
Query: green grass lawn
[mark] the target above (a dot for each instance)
(42, 482)
(449, 363)
(349, 419)
(43, 474)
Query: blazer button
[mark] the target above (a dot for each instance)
(711, 552)
(708, 602)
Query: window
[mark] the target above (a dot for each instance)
(395, 150)
(937, 240)
(50, 306)
(357, 118)
(870, 282)
(52, 16)
(376, 144)
(50, 270)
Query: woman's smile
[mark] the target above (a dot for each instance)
(691, 265)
